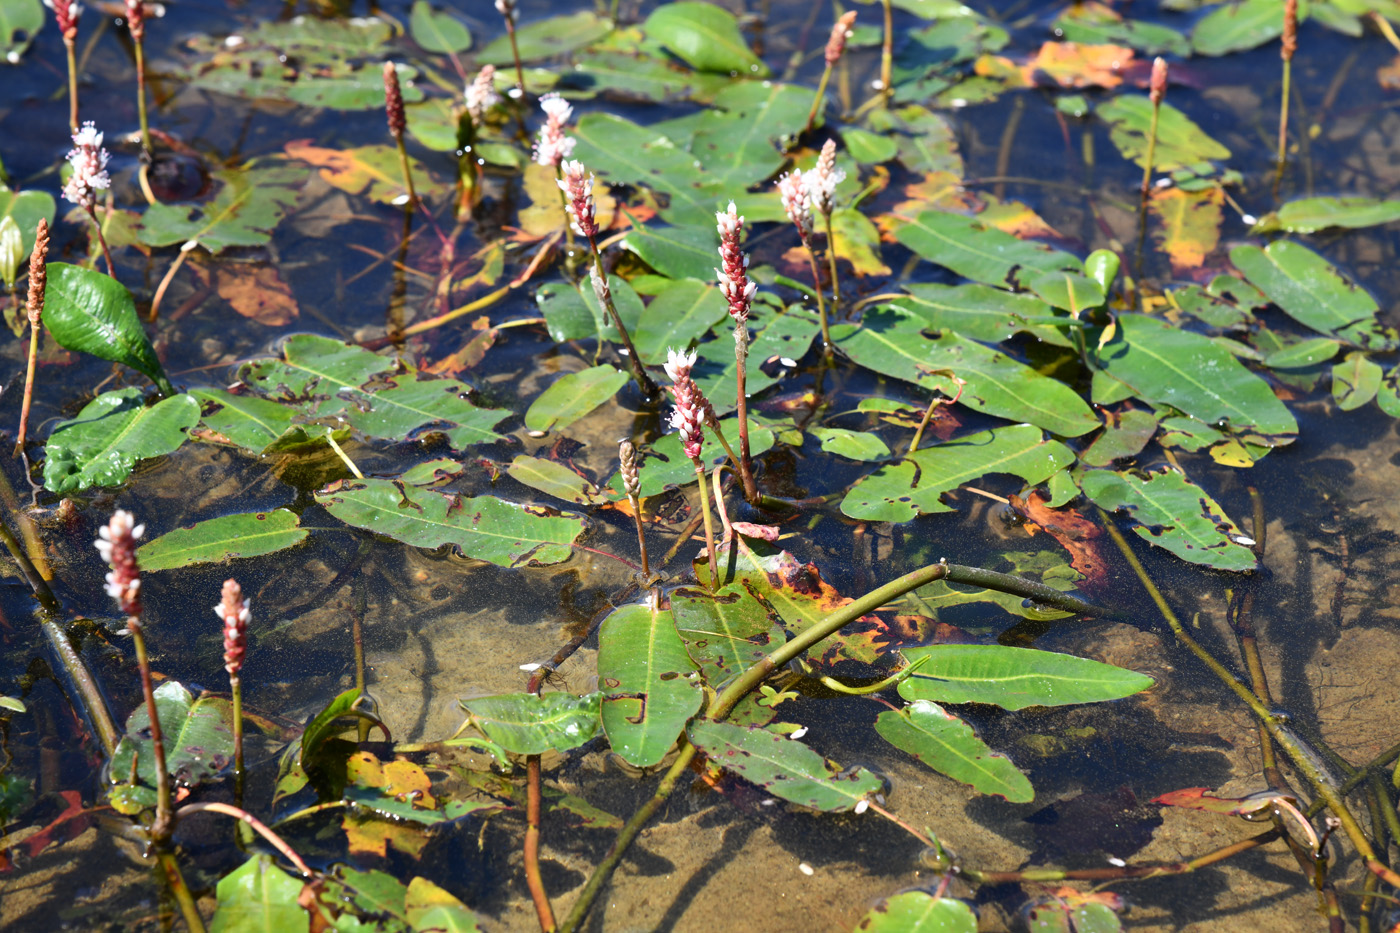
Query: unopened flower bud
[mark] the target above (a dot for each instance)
(1290, 30)
(822, 181)
(38, 273)
(117, 544)
(66, 13)
(733, 276)
(627, 457)
(839, 34)
(1157, 87)
(233, 610)
(136, 19)
(393, 102)
(11, 250)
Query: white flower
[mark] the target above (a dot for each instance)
(679, 363)
(556, 108)
(481, 94)
(507, 9)
(796, 201)
(89, 162)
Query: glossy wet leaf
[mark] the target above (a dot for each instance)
(650, 686)
(437, 31)
(902, 491)
(259, 897)
(368, 171)
(949, 746)
(246, 420)
(853, 445)
(326, 378)
(198, 736)
(20, 22)
(525, 724)
(572, 396)
(918, 912)
(1067, 291)
(1188, 224)
(1097, 23)
(504, 533)
(773, 337)
(735, 139)
(1355, 381)
(1303, 354)
(1166, 365)
(554, 479)
(349, 706)
(250, 203)
(373, 893)
(676, 252)
(24, 207)
(94, 313)
(1236, 27)
(1180, 142)
(1309, 215)
(636, 74)
(983, 254)
(724, 632)
(430, 909)
(676, 318)
(1311, 291)
(784, 767)
(1014, 678)
(1124, 435)
(857, 241)
(100, 447)
(890, 340)
(622, 152)
(981, 312)
(547, 38)
(247, 534)
(704, 36)
(1170, 511)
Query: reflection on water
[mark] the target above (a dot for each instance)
(438, 629)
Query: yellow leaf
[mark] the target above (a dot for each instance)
(257, 292)
(373, 171)
(1190, 224)
(370, 835)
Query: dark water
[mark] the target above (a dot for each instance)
(439, 628)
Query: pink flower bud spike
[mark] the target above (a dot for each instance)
(34, 309)
(734, 284)
(632, 485)
(397, 119)
(821, 184)
(689, 419)
(793, 189)
(835, 46)
(1156, 92)
(136, 25)
(233, 611)
(89, 163)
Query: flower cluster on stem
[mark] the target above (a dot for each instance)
(579, 194)
(553, 145)
(393, 102)
(481, 94)
(116, 543)
(797, 203)
(691, 404)
(66, 13)
(822, 180)
(733, 273)
(136, 19)
(89, 162)
(233, 610)
(840, 32)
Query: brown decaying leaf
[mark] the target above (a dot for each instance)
(1189, 224)
(1076, 534)
(1062, 64)
(472, 353)
(1388, 76)
(257, 292)
(371, 835)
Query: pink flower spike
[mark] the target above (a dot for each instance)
(733, 275)
(679, 365)
(233, 610)
(66, 13)
(136, 19)
(691, 405)
(822, 180)
(116, 543)
(553, 147)
(89, 162)
(481, 94)
(796, 203)
(582, 212)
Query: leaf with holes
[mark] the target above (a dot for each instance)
(94, 313)
(248, 534)
(784, 767)
(1170, 511)
(526, 724)
(919, 912)
(650, 686)
(724, 632)
(250, 203)
(198, 738)
(246, 420)
(100, 447)
(1014, 678)
(948, 745)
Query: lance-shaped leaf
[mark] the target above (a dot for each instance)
(259, 897)
(547, 38)
(250, 204)
(1235, 27)
(94, 313)
(724, 632)
(854, 445)
(784, 767)
(901, 491)
(735, 139)
(664, 464)
(1166, 365)
(1068, 291)
(526, 724)
(1014, 678)
(981, 253)
(247, 534)
(198, 737)
(624, 153)
(704, 36)
(919, 912)
(980, 312)
(773, 337)
(675, 252)
(1099, 24)
(551, 478)
(890, 340)
(328, 378)
(246, 420)
(1172, 512)
(1309, 215)
(100, 447)
(437, 31)
(680, 315)
(24, 207)
(1355, 381)
(1180, 143)
(948, 745)
(505, 533)
(650, 686)
(572, 396)
(1311, 291)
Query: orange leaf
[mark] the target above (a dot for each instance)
(257, 292)
(370, 835)
(1076, 534)
(373, 171)
(1190, 224)
(466, 358)
(1071, 64)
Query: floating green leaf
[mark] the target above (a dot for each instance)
(1311, 291)
(1303, 354)
(1098, 24)
(650, 686)
(1166, 365)
(572, 396)
(919, 912)
(676, 252)
(981, 253)
(351, 705)
(899, 492)
(20, 22)
(1068, 291)
(547, 38)
(1235, 27)
(735, 139)
(437, 32)
(251, 202)
(100, 447)
(677, 317)
(246, 420)
(1309, 215)
(624, 153)
(1170, 511)
(854, 445)
(773, 336)
(1355, 381)
(526, 724)
(980, 312)
(248, 534)
(505, 533)
(948, 745)
(24, 207)
(704, 36)
(430, 909)
(782, 766)
(724, 632)
(1014, 678)
(259, 897)
(94, 313)
(665, 464)
(198, 738)
(552, 478)
(1180, 142)
(890, 340)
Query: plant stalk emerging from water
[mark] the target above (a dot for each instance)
(821, 185)
(89, 163)
(136, 24)
(835, 46)
(793, 189)
(1288, 46)
(507, 10)
(65, 14)
(734, 284)
(631, 483)
(689, 419)
(34, 310)
(398, 122)
(233, 611)
(1157, 90)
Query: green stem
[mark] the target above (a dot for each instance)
(817, 290)
(1283, 113)
(644, 382)
(1151, 149)
(163, 825)
(709, 522)
(741, 376)
(141, 95)
(235, 684)
(835, 282)
(407, 175)
(94, 704)
(181, 891)
(887, 54)
(818, 99)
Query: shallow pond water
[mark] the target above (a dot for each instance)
(438, 627)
